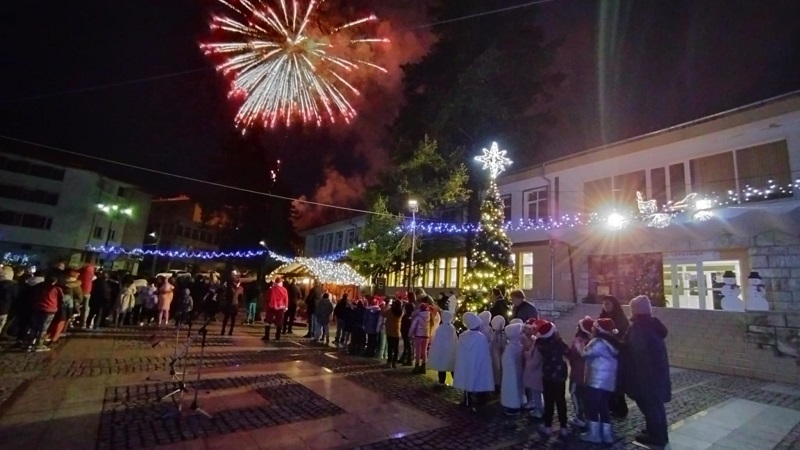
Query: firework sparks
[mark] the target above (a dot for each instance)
(284, 65)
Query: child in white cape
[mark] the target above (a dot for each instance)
(442, 355)
(512, 392)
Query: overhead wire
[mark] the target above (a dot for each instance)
(205, 69)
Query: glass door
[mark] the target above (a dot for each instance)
(697, 285)
(714, 271)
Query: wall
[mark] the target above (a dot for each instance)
(775, 256)
(714, 341)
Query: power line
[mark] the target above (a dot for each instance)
(196, 180)
(105, 86)
(204, 69)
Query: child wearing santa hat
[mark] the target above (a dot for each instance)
(577, 387)
(511, 390)
(532, 371)
(554, 376)
(473, 372)
(600, 356)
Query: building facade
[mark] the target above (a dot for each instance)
(334, 237)
(710, 198)
(51, 213)
(178, 224)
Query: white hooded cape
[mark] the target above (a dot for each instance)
(473, 363)
(511, 389)
(442, 355)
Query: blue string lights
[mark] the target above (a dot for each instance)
(700, 209)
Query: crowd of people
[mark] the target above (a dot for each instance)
(507, 351)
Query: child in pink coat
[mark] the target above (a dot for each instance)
(532, 371)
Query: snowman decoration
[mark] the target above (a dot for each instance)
(730, 293)
(757, 293)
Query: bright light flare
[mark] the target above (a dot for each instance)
(616, 221)
(286, 64)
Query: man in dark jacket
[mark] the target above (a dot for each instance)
(99, 301)
(645, 369)
(523, 309)
(500, 305)
(294, 298)
(234, 296)
(314, 294)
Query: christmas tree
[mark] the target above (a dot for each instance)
(490, 264)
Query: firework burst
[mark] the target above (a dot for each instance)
(285, 64)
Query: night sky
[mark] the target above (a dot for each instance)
(639, 68)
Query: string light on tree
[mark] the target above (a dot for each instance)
(490, 264)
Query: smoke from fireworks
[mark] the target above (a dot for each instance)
(286, 64)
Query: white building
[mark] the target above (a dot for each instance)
(743, 165)
(50, 212)
(334, 237)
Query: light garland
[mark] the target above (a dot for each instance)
(326, 271)
(178, 253)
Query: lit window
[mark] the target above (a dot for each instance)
(391, 279)
(526, 271)
(430, 274)
(440, 281)
(536, 204)
(453, 281)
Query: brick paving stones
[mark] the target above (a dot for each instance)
(133, 417)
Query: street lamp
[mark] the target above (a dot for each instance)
(413, 206)
(157, 237)
(113, 212)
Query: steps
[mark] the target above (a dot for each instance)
(713, 341)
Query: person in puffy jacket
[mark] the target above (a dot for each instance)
(372, 316)
(393, 313)
(323, 314)
(405, 328)
(600, 375)
(577, 365)
(421, 331)
(8, 294)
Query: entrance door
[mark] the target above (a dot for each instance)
(697, 285)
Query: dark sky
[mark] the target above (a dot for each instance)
(639, 66)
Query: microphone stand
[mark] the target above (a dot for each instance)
(177, 377)
(195, 407)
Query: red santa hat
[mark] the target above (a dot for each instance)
(605, 326)
(586, 324)
(545, 329)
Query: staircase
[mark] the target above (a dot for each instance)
(713, 341)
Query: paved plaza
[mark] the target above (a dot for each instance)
(103, 390)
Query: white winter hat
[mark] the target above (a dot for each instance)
(472, 321)
(447, 317)
(513, 331)
(498, 322)
(519, 321)
(486, 317)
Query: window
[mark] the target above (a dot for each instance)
(506, 207)
(351, 237)
(526, 271)
(430, 273)
(391, 279)
(359, 234)
(763, 166)
(121, 192)
(98, 233)
(440, 281)
(112, 235)
(196, 235)
(36, 170)
(463, 266)
(320, 245)
(10, 218)
(658, 185)
(597, 195)
(713, 174)
(339, 240)
(178, 230)
(329, 243)
(187, 233)
(453, 280)
(28, 195)
(536, 204)
(677, 182)
(18, 219)
(626, 186)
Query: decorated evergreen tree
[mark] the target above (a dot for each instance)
(490, 264)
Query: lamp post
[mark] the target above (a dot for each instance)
(262, 273)
(113, 211)
(157, 237)
(413, 206)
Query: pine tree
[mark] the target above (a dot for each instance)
(490, 264)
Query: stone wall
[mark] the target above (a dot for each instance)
(779, 331)
(776, 257)
(553, 310)
(714, 341)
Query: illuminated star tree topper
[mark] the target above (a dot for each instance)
(494, 159)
